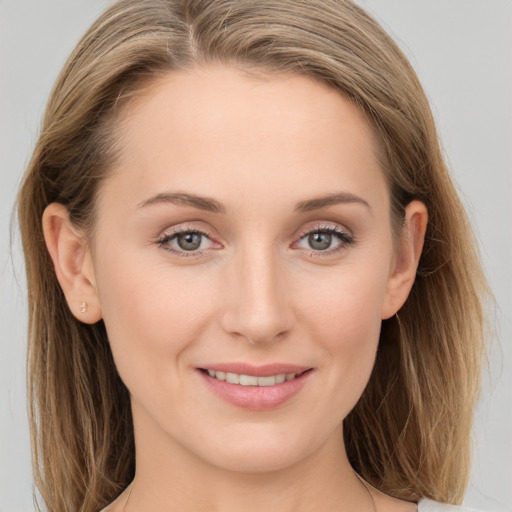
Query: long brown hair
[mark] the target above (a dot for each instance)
(409, 433)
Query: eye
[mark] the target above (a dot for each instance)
(327, 239)
(185, 241)
(189, 241)
(320, 241)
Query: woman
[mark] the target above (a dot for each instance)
(250, 276)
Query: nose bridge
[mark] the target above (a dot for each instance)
(257, 306)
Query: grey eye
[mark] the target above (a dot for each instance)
(319, 241)
(189, 241)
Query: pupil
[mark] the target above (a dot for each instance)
(320, 241)
(189, 241)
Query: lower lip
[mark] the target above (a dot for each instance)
(256, 398)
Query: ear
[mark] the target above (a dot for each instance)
(405, 263)
(72, 260)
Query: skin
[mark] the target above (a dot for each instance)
(257, 291)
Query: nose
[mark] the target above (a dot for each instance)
(257, 299)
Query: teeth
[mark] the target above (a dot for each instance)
(233, 378)
(266, 381)
(248, 380)
(251, 380)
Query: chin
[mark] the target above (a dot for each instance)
(258, 461)
(261, 450)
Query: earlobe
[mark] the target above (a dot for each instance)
(72, 261)
(410, 246)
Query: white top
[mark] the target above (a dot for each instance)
(425, 505)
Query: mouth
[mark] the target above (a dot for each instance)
(252, 380)
(256, 388)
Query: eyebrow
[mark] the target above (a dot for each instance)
(182, 199)
(211, 205)
(330, 200)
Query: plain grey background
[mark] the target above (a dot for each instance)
(462, 51)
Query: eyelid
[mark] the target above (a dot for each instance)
(323, 226)
(326, 226)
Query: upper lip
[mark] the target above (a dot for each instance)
(266, 370)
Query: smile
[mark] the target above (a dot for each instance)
(256, 388)
(251, 380)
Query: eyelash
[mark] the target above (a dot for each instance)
(166, 238)
(345, 240)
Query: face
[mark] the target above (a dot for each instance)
(244, 234)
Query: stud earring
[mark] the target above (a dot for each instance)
(83, 307)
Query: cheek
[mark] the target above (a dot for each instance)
(344, 317)
(346, 304)
(151, 313)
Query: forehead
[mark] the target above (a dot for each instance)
(208, 127)
(217, 93)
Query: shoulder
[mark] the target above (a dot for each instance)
(425, 505)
